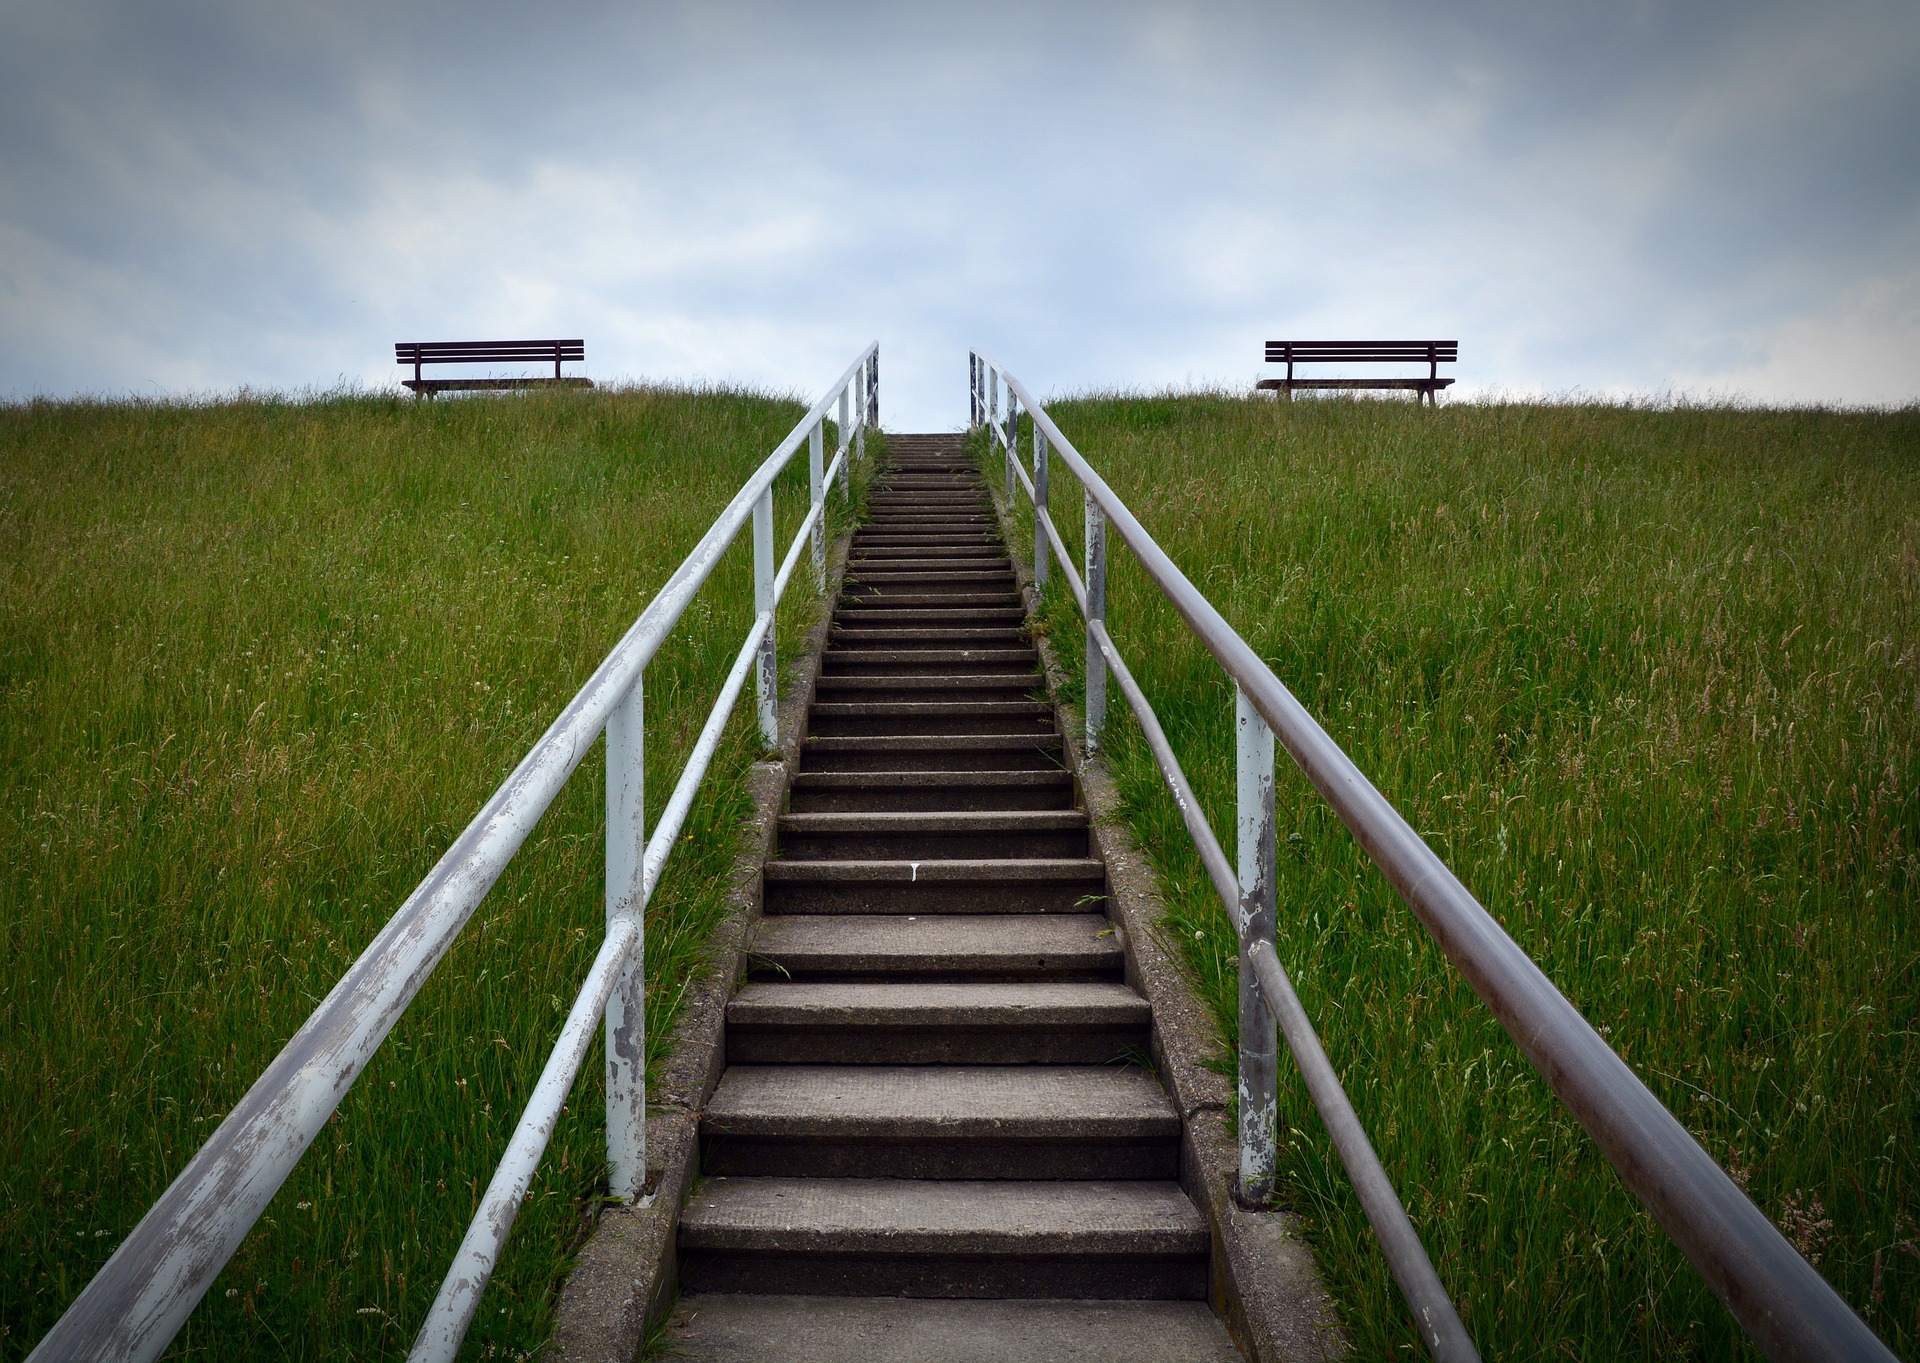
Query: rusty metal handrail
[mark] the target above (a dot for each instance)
(143, 1294)
(1786, 1308)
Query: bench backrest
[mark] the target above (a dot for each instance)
(486, 352)
(1363, 352)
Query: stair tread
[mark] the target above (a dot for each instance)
(709, 1327)
(884, 780)
(944, 1216)
(939, 869)
(959, 820)
(934, 941)
(1022, 1004)
(942, 1102)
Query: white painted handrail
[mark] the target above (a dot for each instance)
(1779, 1299)
(141, 1296)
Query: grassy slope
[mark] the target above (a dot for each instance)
(1647, 681)
(259, 662)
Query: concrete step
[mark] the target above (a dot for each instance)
(855, 599)
(941, 1238)
(922, 661)
(830, 792)
(864, 614)
(1046, 1023)
(957, 835)
(867, 550)
(936, 885)
(947, 520)
(935, 591)
(710, 1327)
(930, 686)
(933, 753)
(912, 635)
(940, 544)
(939, 558)
(875, 948)
(941, 1122)
(950, 686)
(962, 569)
(886, 506)
(838, 718)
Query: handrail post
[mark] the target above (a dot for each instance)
(859, 431)
(1253, 779)
(766, 674)
(816, 465)
(993, 398)
(626, 1017)
(1096, 688)
(873, 388)
(973, 391)
(1041, 460)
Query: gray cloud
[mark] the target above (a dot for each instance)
(1639, 198)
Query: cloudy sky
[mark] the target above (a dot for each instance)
(1692, 197)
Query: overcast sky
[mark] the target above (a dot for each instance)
(1695, 198)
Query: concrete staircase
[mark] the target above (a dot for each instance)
(931, 1141)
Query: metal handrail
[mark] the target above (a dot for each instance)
(1784, 1305)
(137, 1302)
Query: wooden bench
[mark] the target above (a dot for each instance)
(1433, 354)
(418, 353)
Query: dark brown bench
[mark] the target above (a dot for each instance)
(1433, 354)
(418, 353)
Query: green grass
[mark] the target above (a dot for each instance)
(1646, 679)
(260, 661)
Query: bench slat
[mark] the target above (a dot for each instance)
(458, 352)
(488, 385)
(1423, 385)
(1384, 352)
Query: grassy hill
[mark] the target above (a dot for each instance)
(1649, 681)
(260, 661)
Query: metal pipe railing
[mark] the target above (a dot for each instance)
(1779, 1299)
(137, 1302)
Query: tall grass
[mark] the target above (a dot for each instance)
(1646, 679)
(260, 661)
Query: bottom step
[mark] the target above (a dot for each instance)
(742, 1329)
(862, 1237)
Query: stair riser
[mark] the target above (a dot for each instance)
(854, 615)
(778, 968)
(931, 799)
(936, 896)
(943, 601)
(1040, 757)
(932, 846)
(835, 663)
(831, 1275)
(927, 726)
(878, 690)
(922, 635)
(762, 1044)
(815, 1156)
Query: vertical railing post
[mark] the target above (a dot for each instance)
(1013, 460)
(626, 1017)
(816, 489)
(1096, 689)
(993, 399)
(766, 676)
(973, 391)
(1041, 460)
(873, 388)
(859, 430)
(1253, 769)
